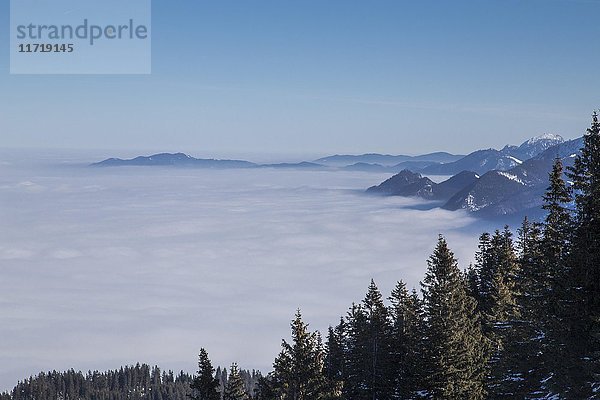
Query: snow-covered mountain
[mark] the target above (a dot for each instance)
(539, 144)
(482, 161)
(516, 190)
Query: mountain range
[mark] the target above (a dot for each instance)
(184, 160)
(438, 163)
(501, 191)
(482, 161)
(517, 191)
(486, 182)
(364, 162)
(386, 160)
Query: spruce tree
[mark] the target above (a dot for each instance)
(551, 281)
(455, 345)
(406, 342)
(558, 223)
(204, 385)
(265, 388)
(235, 387)
(370, 368)
(357, 352)
(298, 370)
(528, 349)
(479, 275)
(379, 330)
(583, 299)
(335, 352)
(494, 277)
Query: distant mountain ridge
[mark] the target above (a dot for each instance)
(437, 163)
(501, 191)
(184, 160)
(386, 160)
(482, 161)
(517, 190)
(486, 182)
(174, 159)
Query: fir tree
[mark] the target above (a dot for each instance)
(265, 388)
(583, 299)
(356, 354)
(335, 352)
(406, 342)
(378, 334)
(298, 370)
(558, 223)
(455, 344)
(479, 276)
(493, 282)
(204, 385)
(369, 368)
(529, 356)
(235, 388)
(551, 280)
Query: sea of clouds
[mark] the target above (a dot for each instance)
(101, 267)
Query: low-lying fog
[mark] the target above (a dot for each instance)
(101, 267)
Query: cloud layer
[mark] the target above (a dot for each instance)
(104, 267)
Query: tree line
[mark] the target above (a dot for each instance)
(139, 382)
(522, 322)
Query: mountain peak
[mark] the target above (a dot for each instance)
(545, 137)
(539, 144)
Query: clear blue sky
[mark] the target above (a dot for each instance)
(326, 77)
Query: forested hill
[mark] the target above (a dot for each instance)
(127, 383)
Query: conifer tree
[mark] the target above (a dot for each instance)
(479, 275)
(558, 223)
(529, 356)
(583, 300)
(550, 285)
(455, 345)
(501, 317)
(265, 388)
(235, 388)
(369, 368)
(298, 370)
(531, 282)
(406, 342)
(496, 262)
(204, 385)
(357, 351)
(335, 352)
(379, 330)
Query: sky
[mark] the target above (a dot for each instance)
(317, 77)
(104, 267)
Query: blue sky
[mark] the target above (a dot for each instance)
(325, 77)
